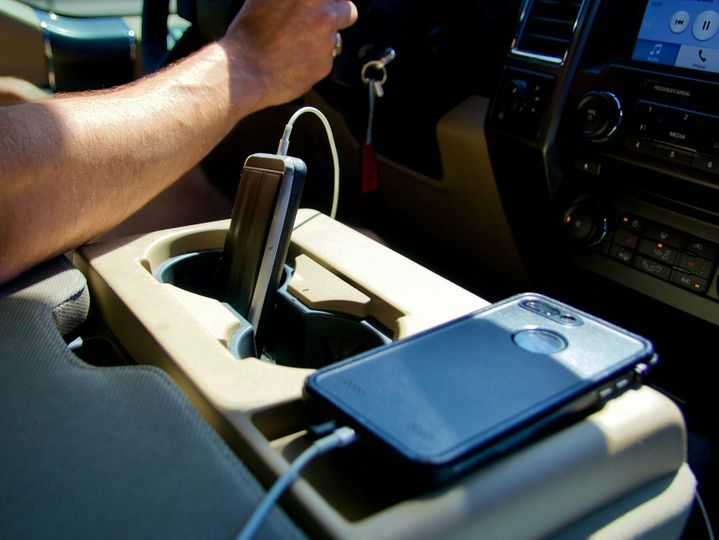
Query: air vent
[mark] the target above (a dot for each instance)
(547, 30)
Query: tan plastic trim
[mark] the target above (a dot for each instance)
(406, 298)
(185, 334)
(318, 288)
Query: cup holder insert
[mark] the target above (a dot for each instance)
(197, 272)
(293, 335)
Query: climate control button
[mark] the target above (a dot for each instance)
(702, 248)
(631, 222)
(688, 281)
(695, 265)
(664, 234)
(654, 268)
(658, 251)
(626, 239)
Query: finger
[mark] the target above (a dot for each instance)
(346, 13)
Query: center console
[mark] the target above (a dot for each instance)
(151, 292)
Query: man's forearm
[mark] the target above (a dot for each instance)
(73, 167)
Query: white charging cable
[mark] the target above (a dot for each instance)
(339, 438)
(285, 143)
(705, 516)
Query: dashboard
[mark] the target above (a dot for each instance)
(602, 133)
(604, 139)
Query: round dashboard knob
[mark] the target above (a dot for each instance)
(598, 115)
(585, 224)
(514, 96)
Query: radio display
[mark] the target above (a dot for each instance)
(680, 33)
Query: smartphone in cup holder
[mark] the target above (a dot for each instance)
(257, 241)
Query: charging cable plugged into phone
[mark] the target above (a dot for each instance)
(339, 438)
(285, 143)
(263, 216)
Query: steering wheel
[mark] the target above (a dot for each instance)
(154, 33)
(208, 18)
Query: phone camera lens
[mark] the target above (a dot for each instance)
(540, 341)
(547, 310)
(541, 307)
(568, 319)
(551, 312)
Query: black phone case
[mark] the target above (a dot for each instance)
(258, 239)
(465, 392)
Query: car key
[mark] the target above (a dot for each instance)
(374, 75)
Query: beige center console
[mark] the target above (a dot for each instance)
(611, 474)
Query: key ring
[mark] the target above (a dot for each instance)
(376, 64)
(338, 45)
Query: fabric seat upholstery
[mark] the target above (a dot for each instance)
(119, 452)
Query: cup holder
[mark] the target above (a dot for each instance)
(293, 335)
(197, 272)
(308, 338)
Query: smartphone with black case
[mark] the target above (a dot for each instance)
(473, 389)
(256, 247)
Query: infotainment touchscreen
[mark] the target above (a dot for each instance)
(681, 33)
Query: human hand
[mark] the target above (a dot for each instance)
(286, 45)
